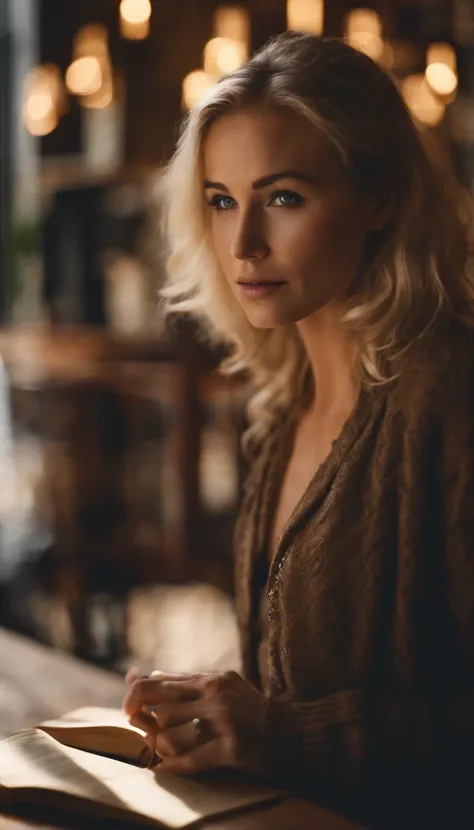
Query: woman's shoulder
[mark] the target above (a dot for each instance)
(437, 372)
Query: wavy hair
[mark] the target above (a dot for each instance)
(414, 272)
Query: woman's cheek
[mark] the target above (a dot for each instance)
(302, 243)
(221, 241)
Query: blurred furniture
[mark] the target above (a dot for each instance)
(95, 389)
(62, 683)
(91, 220)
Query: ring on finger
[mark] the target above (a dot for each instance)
(197, 726)
(201, 729)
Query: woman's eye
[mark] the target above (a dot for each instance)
(286, 198)
(221, 203)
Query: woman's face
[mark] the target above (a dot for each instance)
(287, 227)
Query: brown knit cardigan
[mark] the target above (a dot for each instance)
(371, 598)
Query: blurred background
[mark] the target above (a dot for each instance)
(120, 469)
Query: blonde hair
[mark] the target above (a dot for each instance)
(415, 271)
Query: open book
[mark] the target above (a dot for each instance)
(92, 760)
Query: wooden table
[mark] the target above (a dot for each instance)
(38, 683)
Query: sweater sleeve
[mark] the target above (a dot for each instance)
(396, 757)
(401, 753)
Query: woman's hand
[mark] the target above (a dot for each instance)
(230, 712)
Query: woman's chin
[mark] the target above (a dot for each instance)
(270, 318)
(268, 321)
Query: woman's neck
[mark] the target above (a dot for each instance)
(331, 353)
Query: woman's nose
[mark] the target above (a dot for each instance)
(249, 241)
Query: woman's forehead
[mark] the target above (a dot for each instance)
(263, 137)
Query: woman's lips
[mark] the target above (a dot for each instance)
(259, 289)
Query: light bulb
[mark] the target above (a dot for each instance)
(363, 21)
(84, 76)
(441, 78)
(232, 22)
(441, 53)
(222, 55)
(42, 100)
(195, 85)
(421, 101)
(135, 11)
(305, 16)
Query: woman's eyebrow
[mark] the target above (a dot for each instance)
(265, 181)
(215, 186)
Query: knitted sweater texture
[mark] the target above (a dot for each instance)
(370, 691)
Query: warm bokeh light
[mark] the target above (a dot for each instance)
(104, 95)
(441, 78)
(39, 105)
(363, 31)
(134, 31)
(135, 19)
(441, 68)
(195, 85)
(222, 55)
(90, 73)
(363, 21)
(232, 22)
(41, 127)
(370, 45)
(100, 100)
(441, 53)
(43, 100)
(135, 11)
(305, 16)
(84, 76)
(421, 101)
(91, 40)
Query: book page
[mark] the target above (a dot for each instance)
(35, 760)
(100, 730)
(91, 716)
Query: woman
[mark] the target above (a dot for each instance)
(311, 229)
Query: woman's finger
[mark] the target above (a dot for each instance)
(134, 673)
(204, 757)
(169, 715)
(157, 674)
(147, 723)
(149, 692)
(179, 740)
